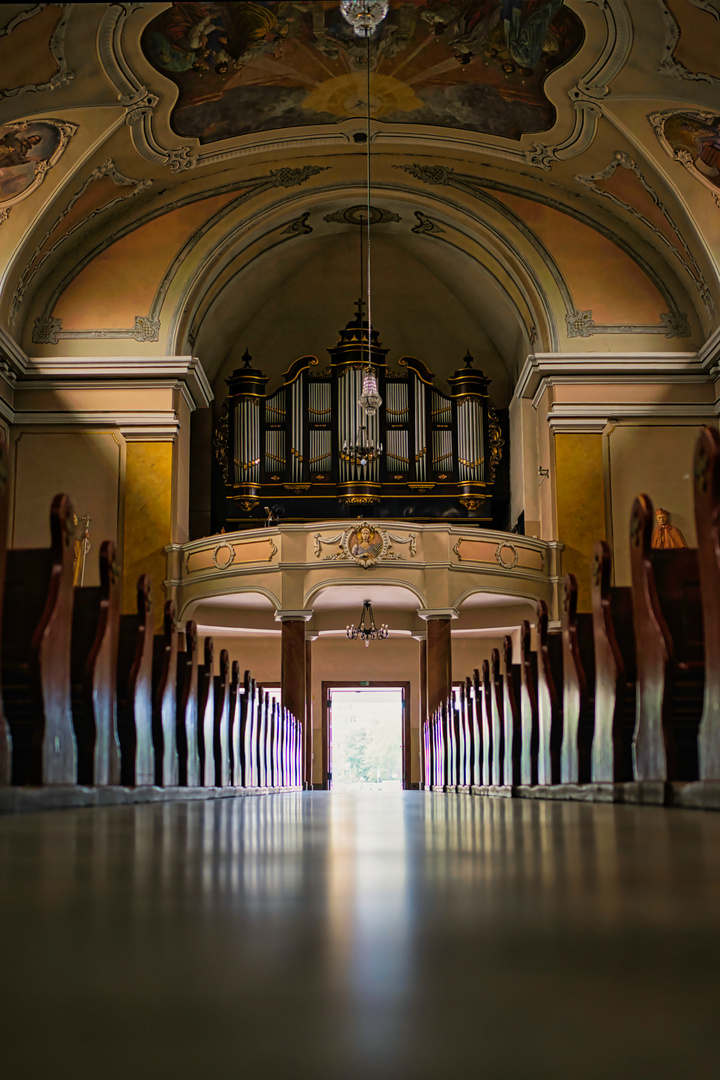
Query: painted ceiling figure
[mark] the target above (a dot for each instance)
(15, 148)
(526, 28)
(666, 535)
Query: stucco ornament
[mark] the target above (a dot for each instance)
(364, 545)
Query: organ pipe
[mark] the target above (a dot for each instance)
(294, 435)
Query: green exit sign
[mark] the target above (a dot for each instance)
(364, 683)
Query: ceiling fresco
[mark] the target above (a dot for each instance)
(476, 65)
(27, 151)
(693, 138)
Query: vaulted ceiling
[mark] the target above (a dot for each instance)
(181, 178)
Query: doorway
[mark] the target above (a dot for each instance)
(366, 736)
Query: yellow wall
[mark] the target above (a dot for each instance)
(148, 519)
(580, 495)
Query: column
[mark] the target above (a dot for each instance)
(293, 675)
(438, 654)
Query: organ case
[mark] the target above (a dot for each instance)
(286, 449)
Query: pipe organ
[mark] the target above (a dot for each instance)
(289, 449)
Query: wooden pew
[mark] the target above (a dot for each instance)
(248, 739)
(187, 710)
(134, 691)
(206, 715)
(278, 734)
(93, 665)
(164, 718)
(445, 745)
(615, 674)
(512, 681)
(471, 759)
(234, 725)
(498, 718)
(528, 708)
(667, 614)
(578, 688)
(458, 749)
(5, 735)
(549, 699)
(488, 743)
(479, 717)
(36, 637)
(221, 724)
(261, 733)
(707, 519)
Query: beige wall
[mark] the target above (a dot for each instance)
(259, 655)
(653, 459)
(87, 465)
(468, 653)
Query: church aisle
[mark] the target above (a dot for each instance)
(360, 935)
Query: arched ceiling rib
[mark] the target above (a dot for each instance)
(629, 153)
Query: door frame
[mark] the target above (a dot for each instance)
(365, 684)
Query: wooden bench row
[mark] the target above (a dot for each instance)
(93, 697)
(629, 692)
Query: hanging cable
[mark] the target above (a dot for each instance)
(367, 223)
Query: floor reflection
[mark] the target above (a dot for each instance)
(353, 934)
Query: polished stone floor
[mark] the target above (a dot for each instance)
(360, 935)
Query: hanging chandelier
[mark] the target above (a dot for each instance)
(364, 15)
(366, 629)
(363, 452)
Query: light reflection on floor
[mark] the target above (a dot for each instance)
(348, 934)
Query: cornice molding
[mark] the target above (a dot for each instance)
(131, 372)
(588, 418)
(428, 614)
(542, 369)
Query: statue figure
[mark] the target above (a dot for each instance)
(666, 535)
(81, 547)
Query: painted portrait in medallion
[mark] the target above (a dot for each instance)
(365, 542)
(27, 151)
(476, 65)
(693, 138)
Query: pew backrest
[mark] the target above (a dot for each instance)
(94, 652)
(5, 734)
(513, 719)
(668, 635)
(187, 710)
(134, 690)
(707, 519)
(528, 707)
(221, 734)
(549, 698)
(36, 640)
(165, 658)
(206, 714)
(498, 715)
(578, 688)
(615, 673)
